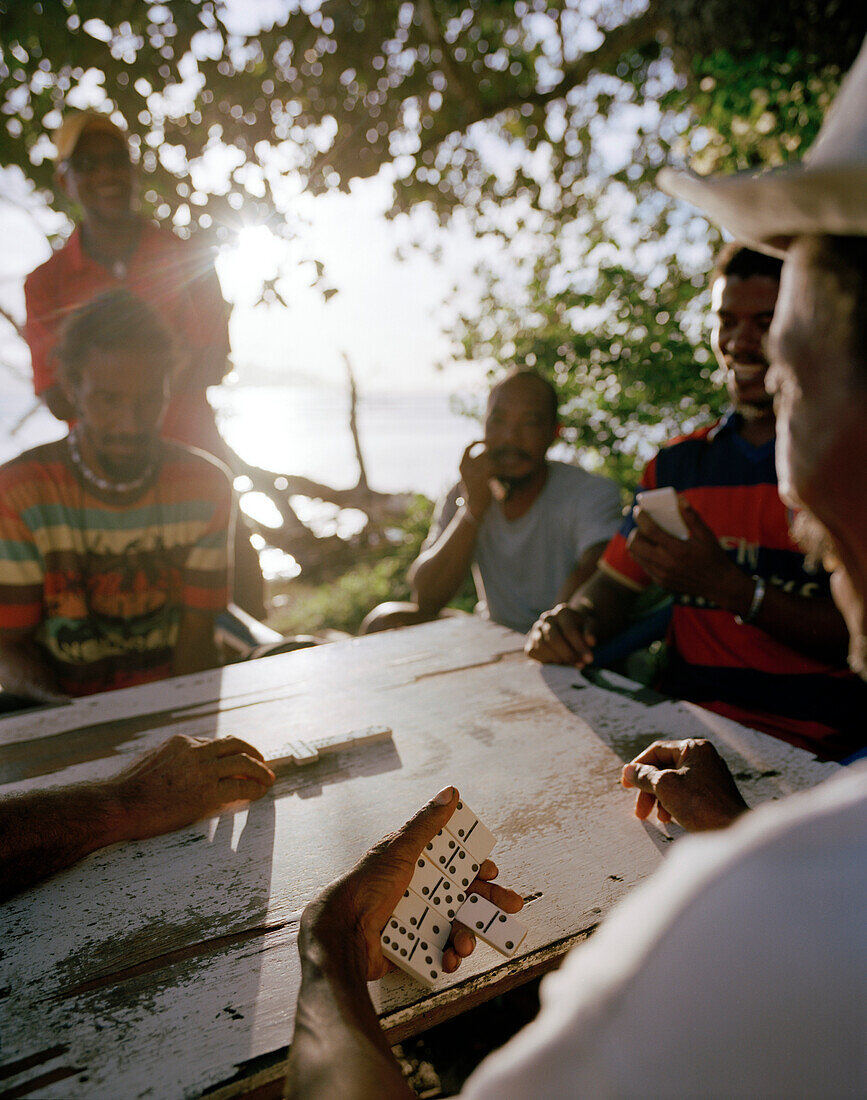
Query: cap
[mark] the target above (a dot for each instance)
(67, 136)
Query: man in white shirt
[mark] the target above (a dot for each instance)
(740, 969)
(531, 528)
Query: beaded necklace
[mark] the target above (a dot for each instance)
(101, 483)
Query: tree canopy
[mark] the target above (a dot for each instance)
(542, 122)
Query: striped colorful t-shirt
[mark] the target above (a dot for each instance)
(103, 586)
(737, 670)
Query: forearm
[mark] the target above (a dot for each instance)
(606, 602)
(802, 622)
(25, 671)
(196, 649)
(437, 574)
(44, 831)
(338, 1048)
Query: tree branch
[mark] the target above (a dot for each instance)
(469, 90)
(353, 426)
(628, 36)
(7, 316)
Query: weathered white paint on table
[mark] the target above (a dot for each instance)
(168, 968)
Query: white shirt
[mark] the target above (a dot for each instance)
(738, 970)
(520, 565)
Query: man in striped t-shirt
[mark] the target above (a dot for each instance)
(114, 543)
(754, 634)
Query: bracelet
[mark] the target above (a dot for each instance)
(467, 514)
(756, 603)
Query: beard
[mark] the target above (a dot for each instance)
(815, 540)
(126, 467)
(818, 545)
(755, 410)
(858, 655)
(510, 484)
(503, 456)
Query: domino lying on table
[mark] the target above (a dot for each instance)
(419, 927)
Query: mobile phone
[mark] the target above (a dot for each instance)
(661, 506)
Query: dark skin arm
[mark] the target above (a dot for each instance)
(339, 1049)
(698, 566)
(24, 670)
(688, 782)
(179, 782)
(438, 572)
(196, 649)
(569, 632)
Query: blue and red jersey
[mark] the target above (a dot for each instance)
(738, 670)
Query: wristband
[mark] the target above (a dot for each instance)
(467, 514)
(756, 603)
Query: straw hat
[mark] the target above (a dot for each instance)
(67, 136)
(825, 193)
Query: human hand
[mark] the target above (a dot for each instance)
(687, 781)
(562, 636)
(185, 779)
(352, 912)
(697, 566)
(477, 471)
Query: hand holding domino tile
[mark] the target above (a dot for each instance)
(356, 910)
(439, 893)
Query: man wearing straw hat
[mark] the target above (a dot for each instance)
(739, 969)
(114, 248)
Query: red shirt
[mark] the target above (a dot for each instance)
(175, 277)
(739, 670)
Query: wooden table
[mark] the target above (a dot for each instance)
(168, 968)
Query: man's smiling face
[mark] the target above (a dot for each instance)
(743, 310)
(99, 176)
(520, 425)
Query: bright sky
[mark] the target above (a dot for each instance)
(386, 315)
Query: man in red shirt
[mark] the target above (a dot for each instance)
(115, 248)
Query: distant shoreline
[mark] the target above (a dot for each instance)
(411, 440)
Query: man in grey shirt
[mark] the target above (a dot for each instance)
(531, 529)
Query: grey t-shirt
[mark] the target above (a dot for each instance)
(520, 564)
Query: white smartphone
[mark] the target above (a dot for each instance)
(661, 506)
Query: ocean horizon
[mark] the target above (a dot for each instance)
(411, 441)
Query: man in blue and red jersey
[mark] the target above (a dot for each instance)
(754, 634)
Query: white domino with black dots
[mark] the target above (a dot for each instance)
(303, 752)
(498, 929)
(419, 928)
(411, 953)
